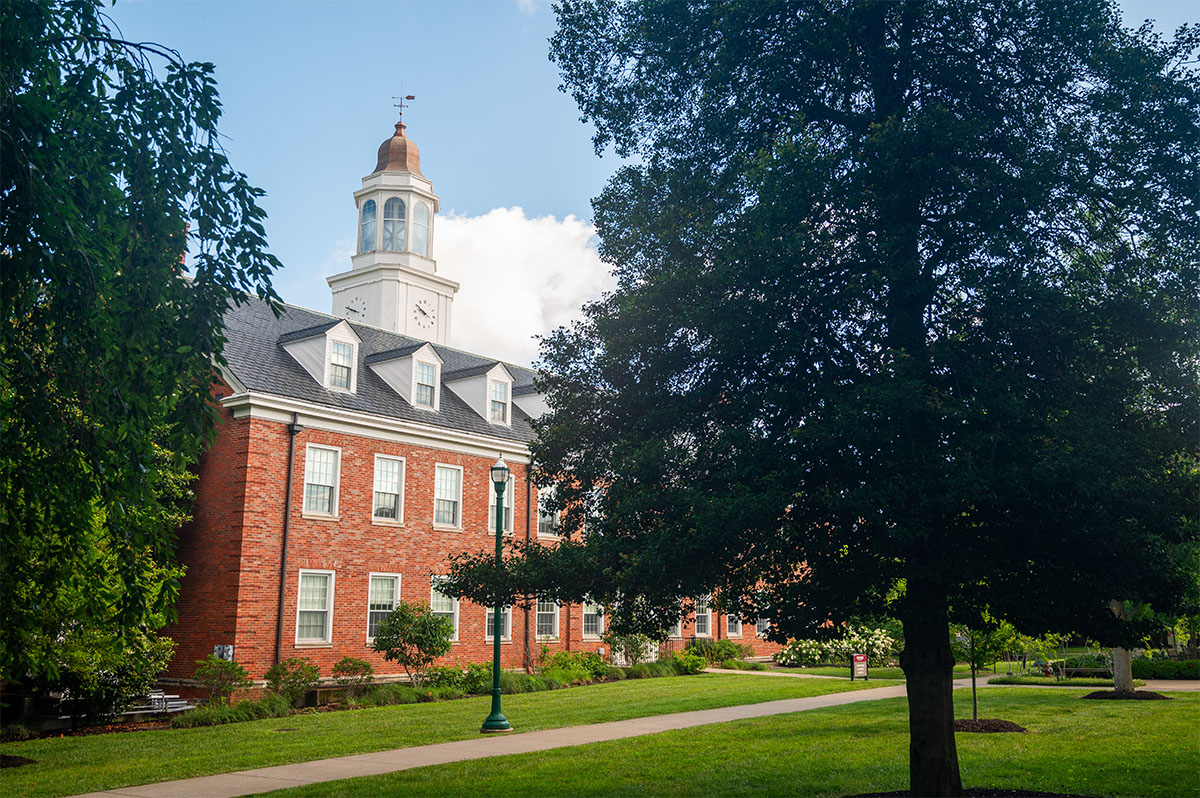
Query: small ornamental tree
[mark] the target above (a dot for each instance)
(979, 645)
(292, 678)
(414, 637)
(353, 675)
(222, 677)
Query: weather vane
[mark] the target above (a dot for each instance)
(402, 104)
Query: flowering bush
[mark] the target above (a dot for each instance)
(879, 646)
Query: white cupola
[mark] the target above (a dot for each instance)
(393, 282)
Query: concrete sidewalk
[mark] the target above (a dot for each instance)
(227, 785)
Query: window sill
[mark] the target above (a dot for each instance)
(385, 522)
(320, 517)
(314, 645)
(548, 536)
(447, 528)
(504, 641)
(547, 638)
(593, 637)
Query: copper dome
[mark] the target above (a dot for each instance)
(399, 154)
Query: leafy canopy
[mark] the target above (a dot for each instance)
(412, 635)
(110, 169)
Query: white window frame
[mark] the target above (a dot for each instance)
(459, 520)
(537, 611)
(507, 422)
(375, 221)
(412, 229)
(696, 616)
(433, 583)
(676, 632)
(399, 519)
(330, 340)
(370, 577)
(437, 379)
(762, 626)
(510, 513)
(328, 638)
(732, 619)
(547, 492)
(505, 613)
(337, 483)
(598, 611)
(383, 220)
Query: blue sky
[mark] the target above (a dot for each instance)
(307, 89)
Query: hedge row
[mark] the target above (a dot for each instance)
(1166, 668)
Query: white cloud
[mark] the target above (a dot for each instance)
(520, 277)
(527, 6)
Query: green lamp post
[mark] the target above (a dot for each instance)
(496, 722)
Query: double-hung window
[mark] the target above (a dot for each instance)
(393, 224)
(389, 489)
(762, 626)
(677, 629)
(341, 364)
(321, 466)
(425, 394)
(314, 607)
(509, 493)
(447, 496)
(505, 623)
(703, 617)
(593, 620)
(497, 402)
(548, 522)
(382, 594)
(733, 625)
(442, 604)
(547, 618)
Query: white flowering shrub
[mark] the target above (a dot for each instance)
(879, 646)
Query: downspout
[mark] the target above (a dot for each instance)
(528, 508)
(293, 430)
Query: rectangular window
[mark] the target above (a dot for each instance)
(509, 492)
(442, 604)
(447, 496)
(548, 522)
(340, 363)
(505, 623)
(382, 595)
(762, 626)
(593, 620)
(389, 488)
(497, 402)
(426, 384)
(314, 607)
(547, 618)
(321, 479)
(703, 617)
(733, 626)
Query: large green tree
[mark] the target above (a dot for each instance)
(906, 322)
(110, 170)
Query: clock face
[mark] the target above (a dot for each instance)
(424, 313)
(357, 307)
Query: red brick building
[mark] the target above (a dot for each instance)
(354, 460)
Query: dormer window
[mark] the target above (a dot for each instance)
(393, 224)
(341, 365)
(420, 231)
(366, 238)
(497, 402)
(426, 385)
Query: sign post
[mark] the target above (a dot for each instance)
(858, 668)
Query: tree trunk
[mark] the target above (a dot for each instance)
(1122, 671)
(929, 669)
(974, 695)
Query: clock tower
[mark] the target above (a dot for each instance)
(393, 281)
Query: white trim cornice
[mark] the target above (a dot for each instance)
(268, 407)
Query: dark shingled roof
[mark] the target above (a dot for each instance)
(255, 358)
(472, 371)
(392, 354)
(524, 390)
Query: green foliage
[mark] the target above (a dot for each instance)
(15, 732)
(983, 643)
(715, 651)
(630, 648)
(354, 676)
(687, 663)
(742, 665)
(111, 167)
(1166, 669)
(293, 678)
(879, 646)
(101, 672)
(218, 714)
(1052, 681)
(383, 695)
(221, 677)
(414, 637)
(587, 662)
(614, 674)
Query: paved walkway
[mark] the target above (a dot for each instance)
(228, 785)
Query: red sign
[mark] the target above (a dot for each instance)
(858, 667)
(860, 657)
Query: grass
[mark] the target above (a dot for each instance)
(1142, 748)
(1050, 681)
(68, 765)
(874, 673)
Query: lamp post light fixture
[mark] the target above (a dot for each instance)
(496, 722)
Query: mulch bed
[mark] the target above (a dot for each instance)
(980, 792)
(10, 761)
(1136, 695)
(987, 726)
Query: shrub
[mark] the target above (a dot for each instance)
(631, 649)
(1166, 669)
(414, 637)
(445, 676)
(569, 674)
(293, 678)
(879, 646)
(686, 663)
(222, 677)
(384, 695)
(15, 732)
(639, 671)
(353, 675)
(587, 662)
(715, 651)
(613, 673)
(219, 713)
(477, 678)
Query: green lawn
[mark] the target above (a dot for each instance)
(1135, 748)
(1050, 681)
(960, 672)
(68, 765)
